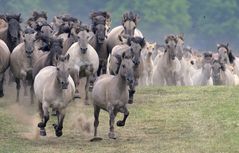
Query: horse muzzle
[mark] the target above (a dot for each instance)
(136, 62)
(64, 85)
(83, 50)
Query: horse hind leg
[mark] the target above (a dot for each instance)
(87, 90)
(59, 126)
(32, 93)
(25, 87)
(18, 87)
(1, 84)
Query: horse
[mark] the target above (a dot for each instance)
(69, 36)
(11, 34)
(110, 93)
(127, 29)
(84, 62)
(22, 60)
(221, 75)
(202, 77)
(49, 59)
(54, 88)
(4, 60)
(133, 47)
(166, 69)
(147, 53)
(226, 56)
(98, 40)
(37, 20)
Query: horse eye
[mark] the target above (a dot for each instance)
(123, 66)
(57, 69)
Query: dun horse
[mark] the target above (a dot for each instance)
(110, 93)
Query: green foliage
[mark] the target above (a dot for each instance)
(204, 23)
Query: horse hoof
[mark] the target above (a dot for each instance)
(41, 125)
(112, 135)
(130, 101)
(42, 132)
(77, 97)
(120, 123)
(1, 94)
(58, 133)
(95, 139)
(53, 113)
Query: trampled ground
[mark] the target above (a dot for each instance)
(165, 120)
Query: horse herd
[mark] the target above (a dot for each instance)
(52, 58)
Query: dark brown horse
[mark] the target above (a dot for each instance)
(98, 40)
(12, 34)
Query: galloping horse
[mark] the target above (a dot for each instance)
(54, 88)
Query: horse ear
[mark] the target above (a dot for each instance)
(218, 45)
(67, 57)
(120, 38)
(227, 45)
(123, 55)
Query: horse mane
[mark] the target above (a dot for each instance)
(68, 18)
(14, 16)
(229, 52)
(29, 31)
(207, 55)
(130, 16)
(137, 40)
(43, 25)
(99, 13)
(171, 37)
(56, 48)
(36, 15)
(83, 27)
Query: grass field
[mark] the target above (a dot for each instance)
(165, 120)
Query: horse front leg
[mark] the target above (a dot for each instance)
(44, 114)
(59, 126)
(96, 123)
(112, 115)
(1, 84)
(24, 82)
(126, 114)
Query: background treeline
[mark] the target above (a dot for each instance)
(204, 23)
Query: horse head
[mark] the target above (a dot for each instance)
(136, 45)
(180, 46)
(83, 37)
(225, 54)
(14, 28)
(29, 39)
(126, 69)
(171, 45)
(217, 67)
(129, 22)
(63, 70)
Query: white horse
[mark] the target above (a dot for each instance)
(54, 88)
(168, 66)
(84, 62)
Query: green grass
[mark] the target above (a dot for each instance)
(165, 120)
